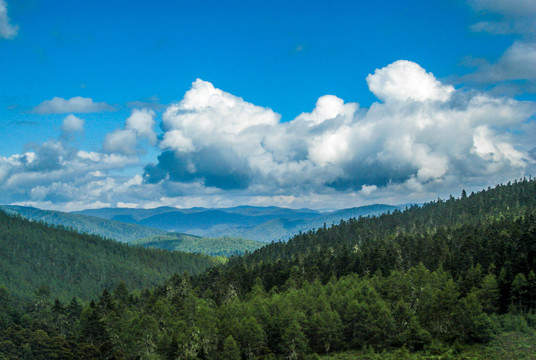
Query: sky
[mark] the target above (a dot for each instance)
(317, 104)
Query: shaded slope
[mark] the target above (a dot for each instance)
(73, 264)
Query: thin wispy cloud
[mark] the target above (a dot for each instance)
(516, 67)
(7, 30)
(77, 104)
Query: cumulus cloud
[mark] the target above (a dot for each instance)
(406, 80)
(57, 175)
(121, 141)
(76, 104)
(423, 135)
(421, 139)
(140, 125)
(72, 124)
(7, 31)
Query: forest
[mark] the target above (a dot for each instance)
(68, 263)
(452, 278)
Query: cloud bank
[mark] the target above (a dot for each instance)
(423, 138)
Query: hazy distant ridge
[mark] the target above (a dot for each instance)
(248, 222)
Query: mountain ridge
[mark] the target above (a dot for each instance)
(257, 223)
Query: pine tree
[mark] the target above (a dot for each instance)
(230, 349)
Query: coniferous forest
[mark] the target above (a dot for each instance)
(452, 278)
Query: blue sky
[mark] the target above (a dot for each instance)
(309, 104)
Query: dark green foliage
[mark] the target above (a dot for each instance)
(225, 246)
(494, 228)
(427, 282)
(230, 349)
(72, 264)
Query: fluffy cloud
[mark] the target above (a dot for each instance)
(406, 80)
(55, 171)
(7, 31)
(140, 125)
(56, 174)
(72, 124)
(422, 139)
(423, 135)
(76, 104)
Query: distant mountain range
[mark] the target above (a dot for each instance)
(220, 231)
(134, 234)
(263, 224)
(86, 224)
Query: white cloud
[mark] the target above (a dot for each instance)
(7, 31)
(76, 104)
(423, 139)
(139, 125)
(121, 141)
(72, 124)
(142, 122)
(423, 133)
(405, 80)
(516, 16)
(57, 173)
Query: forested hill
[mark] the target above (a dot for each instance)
(445, 280)
(511, 200)
(71, 264)
(107, 228)
(453, 233)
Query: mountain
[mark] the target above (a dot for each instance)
(73, 264)
(111, 229)
(263, 224)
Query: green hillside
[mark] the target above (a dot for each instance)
(111, 229)
(224, 246)
(72, 264)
